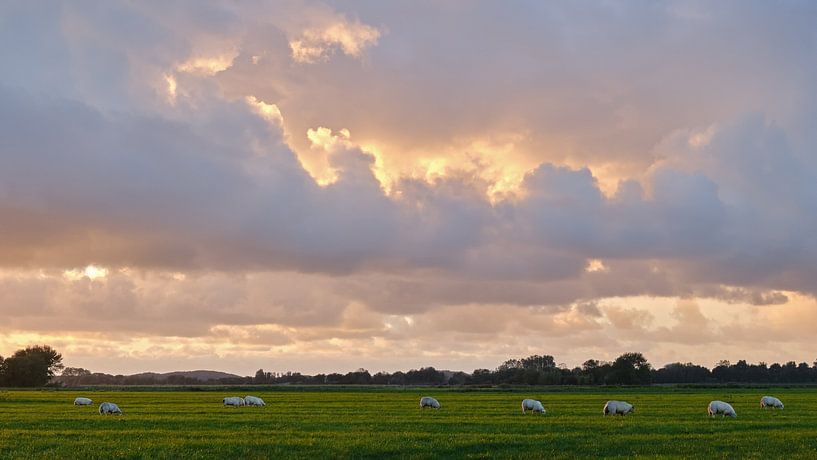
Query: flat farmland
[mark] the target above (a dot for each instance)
(379, 423)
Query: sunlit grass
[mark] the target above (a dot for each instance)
(378, 423)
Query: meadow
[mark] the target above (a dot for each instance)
(377, 423)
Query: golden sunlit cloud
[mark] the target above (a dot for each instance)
(170, 81)
(318, 44)
(379, 168)
(323, 138)
(91, 272)
(207, 65)
(326, 142)
(498, 161)
(595, 265)
(269, 112)
(701, 138)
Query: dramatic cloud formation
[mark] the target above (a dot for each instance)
(318, 186)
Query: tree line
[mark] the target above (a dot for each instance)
(39, 366)
(627, 369)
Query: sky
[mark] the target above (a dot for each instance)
(323, 186)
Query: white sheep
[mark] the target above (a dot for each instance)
(720, 407)
(109, 408)
(82, 402)
(533, 406)
(618, 408)
(233, 401)
(428, 401)
(254, 401)
(770, 401)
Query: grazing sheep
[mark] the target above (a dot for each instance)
(428, 401)
(109, 408)
(618, 408)
(253, 401)
(720, 407)
(234, 401)
(770, 401)
(82, 402)
(533, 406)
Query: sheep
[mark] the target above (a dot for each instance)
(82, 402)
(533, 406)
(720, 407)
(770, 401)
(428, 401)
(618, 408)
(109, 408)
(234, 401)
(254, 401)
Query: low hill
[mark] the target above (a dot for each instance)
(201, 375)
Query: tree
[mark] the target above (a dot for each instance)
(630, 369)
(803, 372)
(358, 377)
(539, 363)
(510, 364)
(73, 375)
(458, 378)
(590, 365)
(481, 377)
(681, 373)
(75, 372)
(398, 378)
(722, 371)
(381, 378)
(425, 376)
(32, 367)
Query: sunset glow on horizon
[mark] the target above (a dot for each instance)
(319, 186)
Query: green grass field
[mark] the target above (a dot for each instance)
(377, 423)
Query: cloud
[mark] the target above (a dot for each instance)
(458, 178)
(246, 321)
(318, 43)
